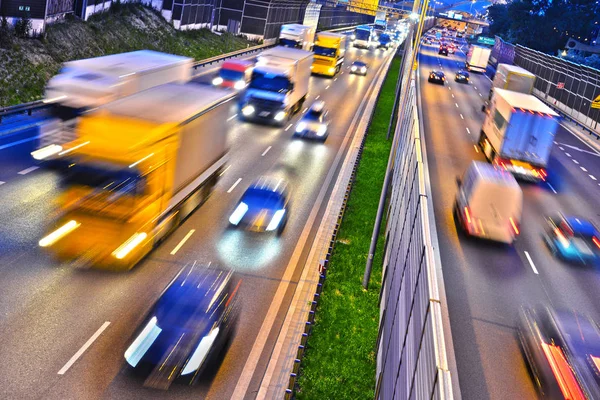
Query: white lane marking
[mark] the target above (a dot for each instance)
(232, 117)
(531, 263)
(594, 153)
(334, 79)
(449, 88)
(480, 95)
(288, 127)
(583, 169)
(475, 87)
(554, 190)
(83, 348)
(486, 103)
(576, 162)
(317, 98)
(452, 95)
(593, 177)
(568, 154)
(234, 185)
(572, 133)
(305, 110)
(225, 170)
(327, 87)
(2, 182)
(456, 104)
(28, 170)
(266, 151)
(468, 131)
(185, 238)
(562, 148)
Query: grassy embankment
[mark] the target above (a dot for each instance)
(27, 64)
(341, 354)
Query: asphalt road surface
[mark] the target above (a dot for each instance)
(49, 312)
(486, 283)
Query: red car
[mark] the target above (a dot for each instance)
(234, 74)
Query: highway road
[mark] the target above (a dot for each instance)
(64, 331)
(485, 283)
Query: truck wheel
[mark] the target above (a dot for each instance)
(481, 139)
(337, 69)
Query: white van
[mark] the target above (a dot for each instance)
(489, 203)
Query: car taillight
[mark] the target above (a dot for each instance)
(561, 237)
(514, 225)
(468, 214)
(563, 373)
(596, 241)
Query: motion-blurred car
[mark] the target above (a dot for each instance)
(451, 49)
(572, 239)
(358, 68)
(563, 352)
(234, 74)
(436, 77)
(443, 50)
(461, 76)
(187, 328)
(264, 207)
(313, 124)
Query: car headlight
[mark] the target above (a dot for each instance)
(201, 352)
(248, 110)
(142, 343)
(363, 69)
(301, 127)
(322, 130)
(276, 220)
(217, 81)
(280, 116)
(331, 70)
(239, 85)
(353, 68)
(353, 37)
(238, 214)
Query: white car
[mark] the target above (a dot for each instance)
(313, 125)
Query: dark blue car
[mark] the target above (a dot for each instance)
(264, 207)
(187, 327)
(573, 239)
(462, 76)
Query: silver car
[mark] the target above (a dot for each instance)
(314, 124)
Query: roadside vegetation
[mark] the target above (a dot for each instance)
(340, 357)
(26, 64)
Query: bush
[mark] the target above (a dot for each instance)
(23, 26)
(5, 33)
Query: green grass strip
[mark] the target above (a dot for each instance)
(340, 358)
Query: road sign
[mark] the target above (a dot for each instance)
(486, 40)
(560, 85)
(596, 102)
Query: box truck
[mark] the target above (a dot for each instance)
(364, 37)
(137, 168)
(278, 86)
(297, 36)
(86, 84)
(477, 58)
(514, 78)
(329, 52)
(518, 133)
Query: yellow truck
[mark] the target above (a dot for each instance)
(137, 168)
(329, 50)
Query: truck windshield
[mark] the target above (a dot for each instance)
(362, 34)
(290, 43)
(270, 83)
(324, 51)
(119, 181)
(230, 75)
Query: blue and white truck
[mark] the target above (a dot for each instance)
(278, 86)
(364, 37)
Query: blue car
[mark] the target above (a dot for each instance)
(187, 328)
(264, 207)
(462, 76)
(573, 239)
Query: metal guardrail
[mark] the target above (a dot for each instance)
(28, 108)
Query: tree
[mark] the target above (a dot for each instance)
(23, 26)
(5, 32)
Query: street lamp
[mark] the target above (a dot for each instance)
(414, 16)
(471, 8)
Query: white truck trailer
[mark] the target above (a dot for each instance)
(477, 58)
(278, 86)
(514, 78)
(518, 133)
(297, 36)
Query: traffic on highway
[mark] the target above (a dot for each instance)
(515, 200)
(156, 240)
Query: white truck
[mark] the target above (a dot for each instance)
(518, 133)
(514, 78)
(278, 86)
(477, 58)
(297, 36)
(87, 84)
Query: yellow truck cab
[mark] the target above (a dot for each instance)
(138, 168)
(329, 51)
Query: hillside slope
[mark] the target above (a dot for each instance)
(27, 64)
